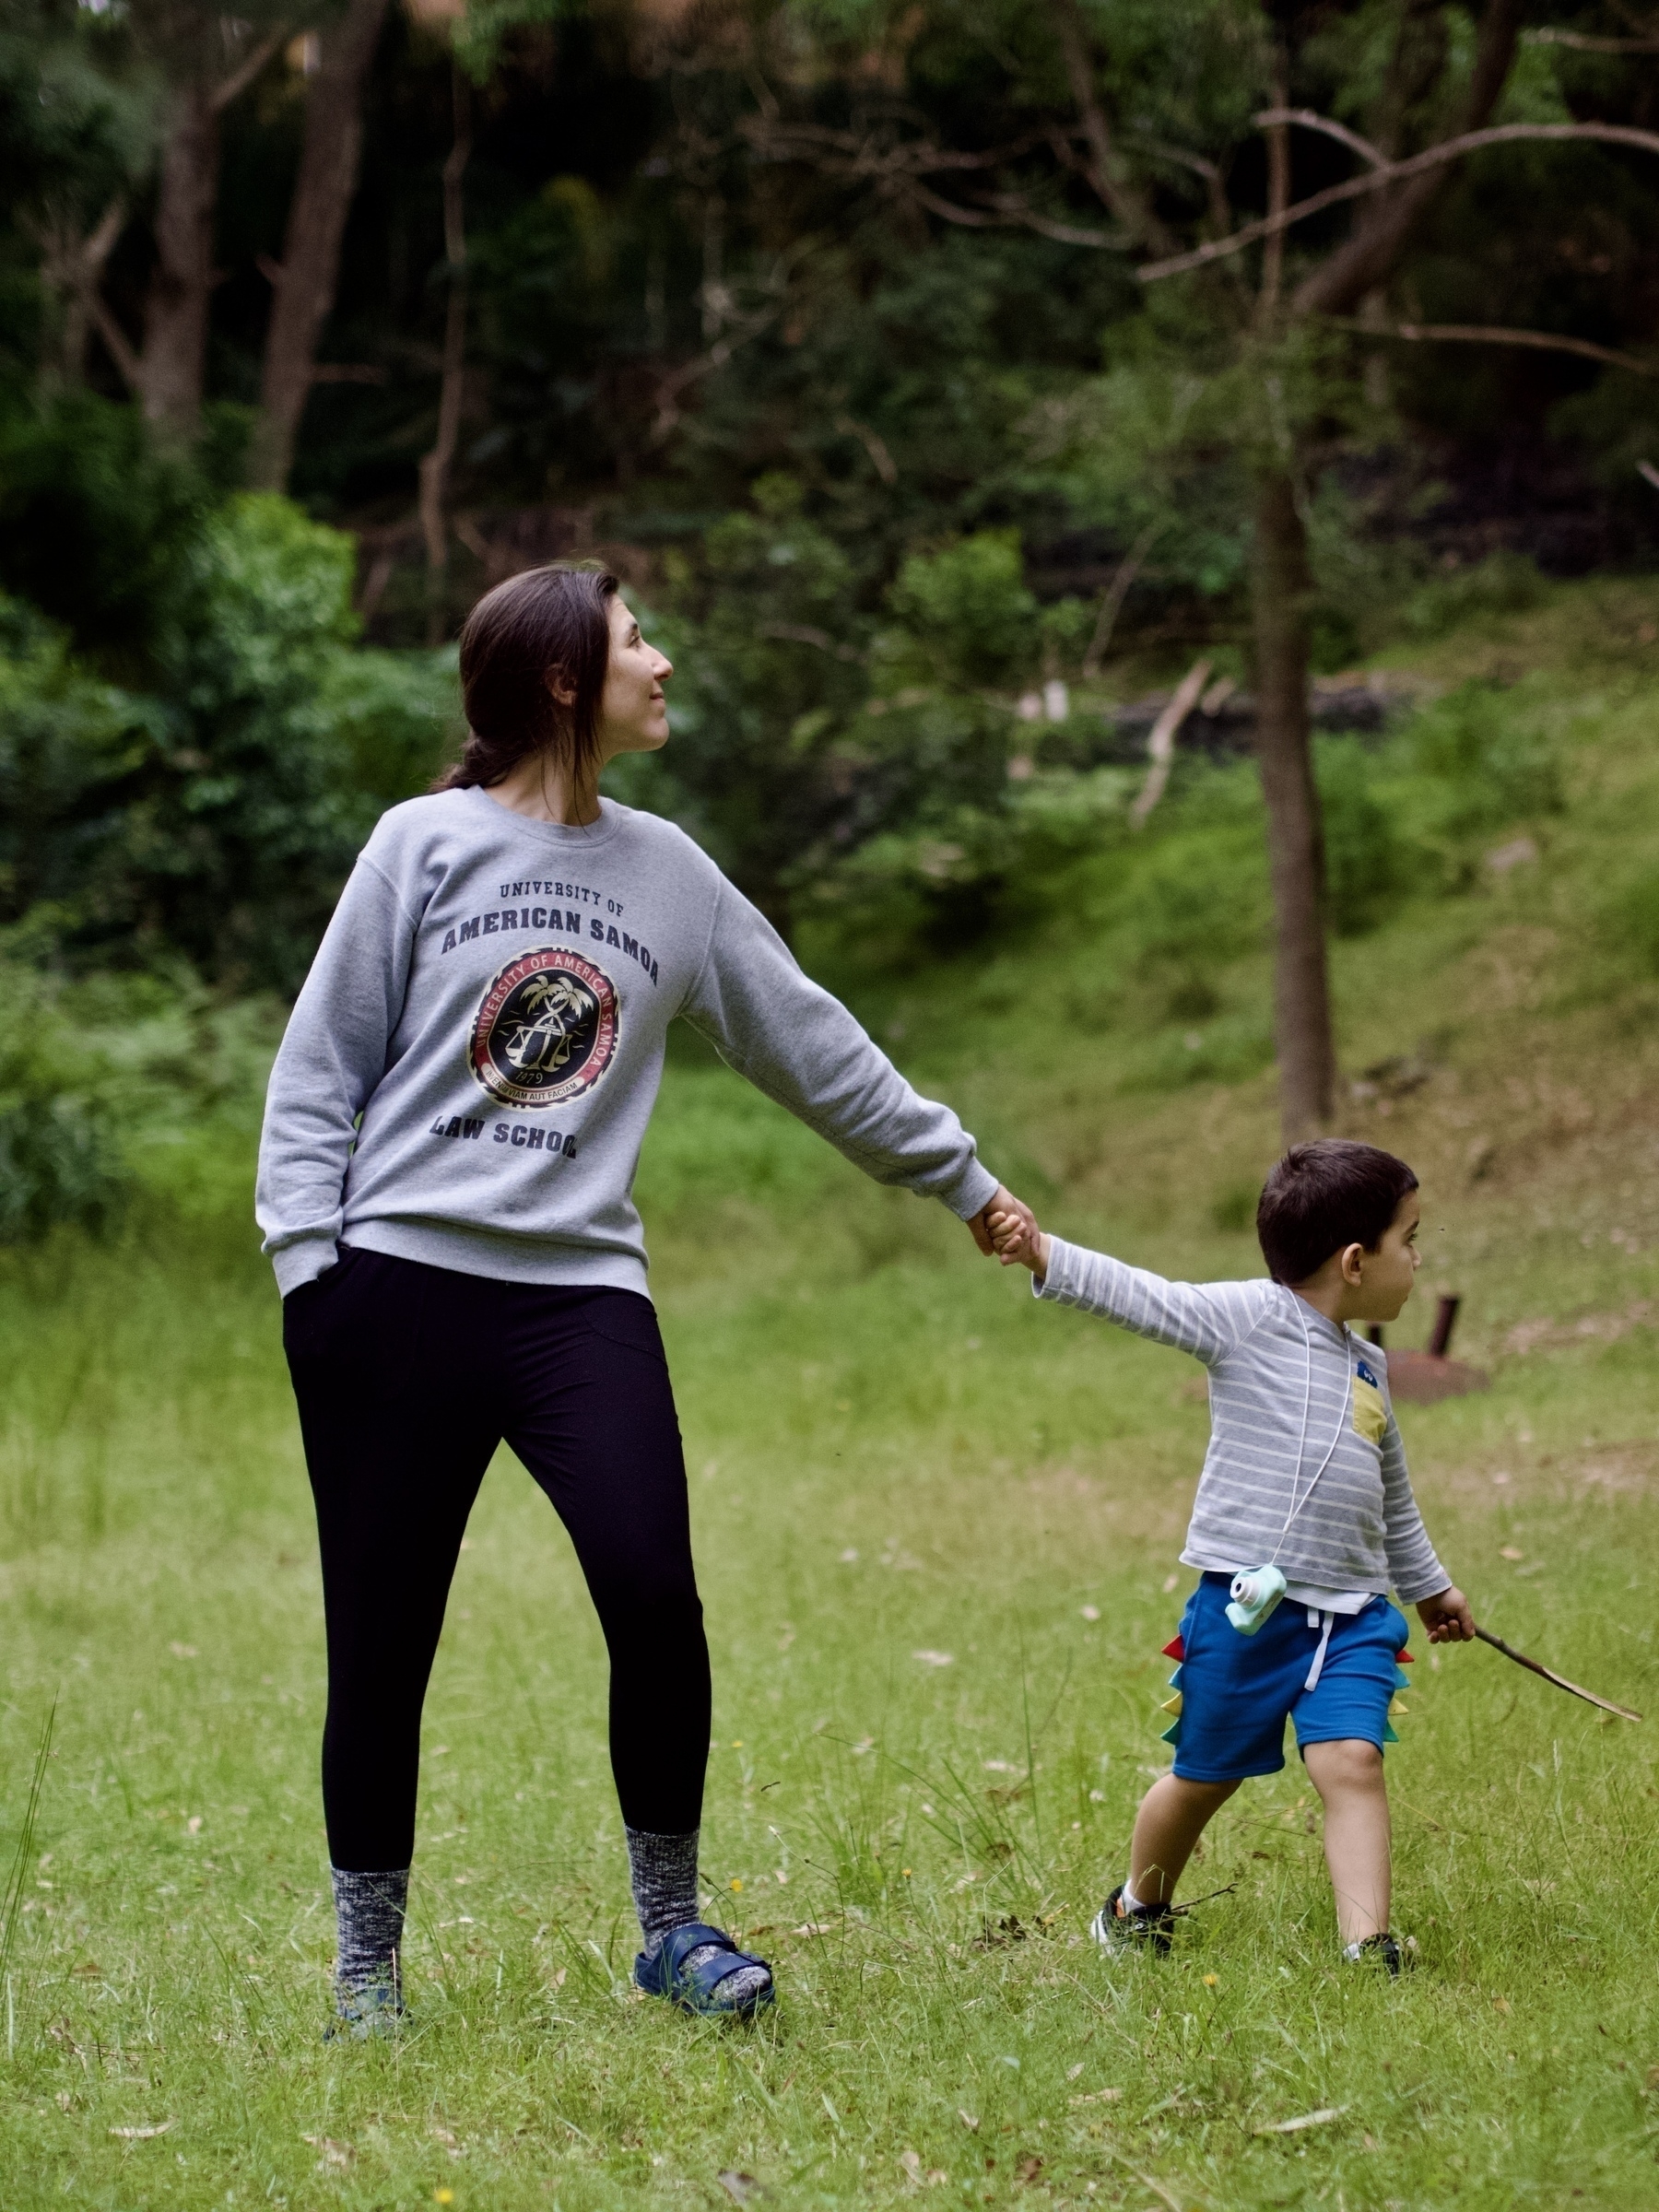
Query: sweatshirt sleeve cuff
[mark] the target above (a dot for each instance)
(1053, 1284)
(297, 1264)
(1414, 1588)
(973, 1193)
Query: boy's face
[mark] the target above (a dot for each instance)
(1380, 1282)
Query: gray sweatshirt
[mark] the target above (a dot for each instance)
(1301, 1428)
(492, 998)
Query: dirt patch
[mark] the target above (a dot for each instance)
(1547, 1335)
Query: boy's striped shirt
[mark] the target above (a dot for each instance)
(1286, 1386)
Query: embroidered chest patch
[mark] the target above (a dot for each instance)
(1371, 1415)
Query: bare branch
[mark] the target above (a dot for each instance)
(118, 345)
(1491, 333)
(802, 633)
(237, 83)
(1353, 188)
(874, 443)
(1103, 168)
(1278, 193)
(1161, 742)
(1647, 470)
(1583, 42)
(1116, 592)
(1310, 121)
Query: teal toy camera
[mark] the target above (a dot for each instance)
(1252, 1597)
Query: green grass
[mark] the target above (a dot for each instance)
(918, 1844)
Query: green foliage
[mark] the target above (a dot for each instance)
(969, 611)
(60, 1157)
(1365, 856)
(98, 524)
(1503, 583)
(1495, 763)
(216, 811)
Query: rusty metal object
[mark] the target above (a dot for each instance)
(1424, 1378)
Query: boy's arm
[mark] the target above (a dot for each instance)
(1206, 1319)
(1416, 1574)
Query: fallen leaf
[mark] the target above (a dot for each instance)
(1290, 2127)
(183, 1650)
(937, 2176)
(1091, 1612)
(911, 2163)
(740, 2187)
(1029, 2168)
(1500, 2005)
(1171, 1582)
(442, 2134)
(338, 2155)
(193, 1826)
(1071, 2072)
(143, 2134)
(934, 1658)
(1508, 1551)
(970, 2120)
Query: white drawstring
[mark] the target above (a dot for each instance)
(1314, 1618)
(1348, 1397)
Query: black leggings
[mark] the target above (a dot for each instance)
(407, 1378)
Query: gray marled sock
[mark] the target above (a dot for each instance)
(664, 1871)
(369, 1909)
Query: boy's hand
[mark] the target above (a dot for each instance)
(1447, 1617)
(1000, 1202)
(1018, 1240)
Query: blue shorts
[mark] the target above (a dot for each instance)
(1238, 1691)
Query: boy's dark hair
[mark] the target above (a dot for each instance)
(1323, 1195)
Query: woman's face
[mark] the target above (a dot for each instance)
(633, 714)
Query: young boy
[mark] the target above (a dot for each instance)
(1306, 1474)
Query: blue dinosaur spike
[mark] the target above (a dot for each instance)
(1175, 1679)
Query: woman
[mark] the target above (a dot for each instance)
(445, 1181)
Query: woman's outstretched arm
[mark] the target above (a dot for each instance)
(800, 1046)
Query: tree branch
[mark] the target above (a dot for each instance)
(1311, 121)
(1417, 165)
(118, 345)
(1103, 168)
(1586, 43)
(1491, 333)
(237, 83)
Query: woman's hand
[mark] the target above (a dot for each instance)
(1000, 1202)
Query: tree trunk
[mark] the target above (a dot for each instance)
(435, 465)
(1302, 999)
(172, 364)
(324, 189)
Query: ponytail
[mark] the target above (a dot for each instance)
(544, 628)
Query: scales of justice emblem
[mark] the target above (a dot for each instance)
(546, 1029)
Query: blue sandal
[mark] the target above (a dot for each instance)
(696, 1988)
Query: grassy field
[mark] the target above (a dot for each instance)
(938, 1529)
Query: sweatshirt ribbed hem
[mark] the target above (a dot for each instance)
(503, 1259)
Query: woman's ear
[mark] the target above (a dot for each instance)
(560, 685)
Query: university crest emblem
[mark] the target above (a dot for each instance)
(547, 1030)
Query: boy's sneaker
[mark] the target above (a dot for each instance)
(1145, 1928)
(1383, 1949)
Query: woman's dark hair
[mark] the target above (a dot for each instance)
(548, 624)
(1323, 1195)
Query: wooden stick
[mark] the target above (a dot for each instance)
(1560, 1681)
